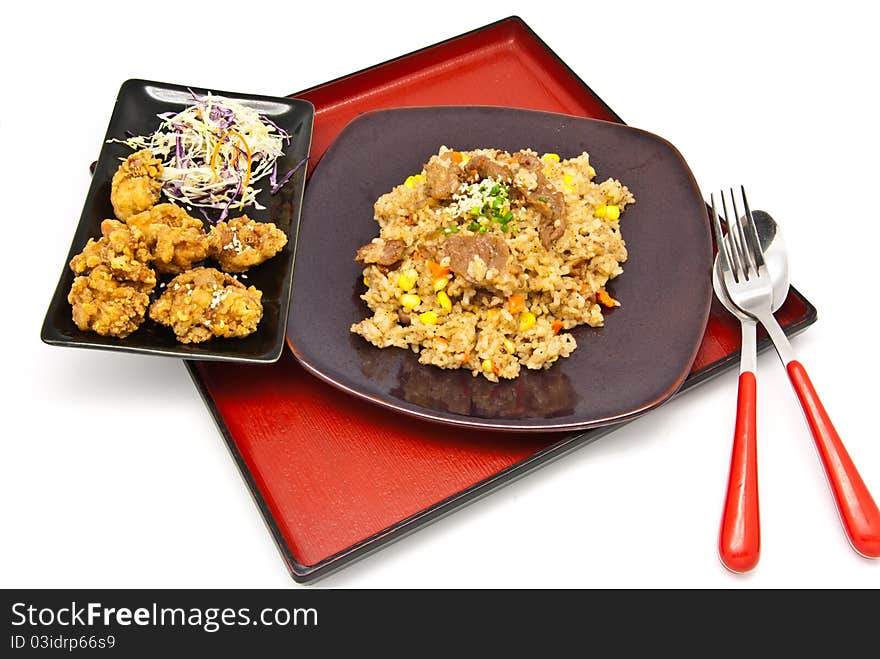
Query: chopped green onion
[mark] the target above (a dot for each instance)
(473, 226)
(484, 228)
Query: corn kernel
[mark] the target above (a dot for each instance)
(487, 365)
(366, 283)
(527, 321)
(509, 347)
(440, 284)
(600, 211)
(590, 171)
(408, 279)
(428, 318)
(410, 301)
(444, 301)
(567, 179)
(492, 314)
(550, 157)
(412, 181)
(612, 212)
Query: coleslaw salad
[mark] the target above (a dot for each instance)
(214, 152)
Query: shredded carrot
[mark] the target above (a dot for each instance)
(605, 299)
(516, 304)
(457, 157)
(556, 326)
(437, 270)
(247, 150)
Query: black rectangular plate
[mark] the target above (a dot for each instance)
(138, 103)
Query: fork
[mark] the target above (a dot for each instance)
(748, 285)
(739, 540)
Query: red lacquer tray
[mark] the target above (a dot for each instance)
(335, 477)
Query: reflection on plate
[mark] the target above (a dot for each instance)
(137, 105)
(633, 364)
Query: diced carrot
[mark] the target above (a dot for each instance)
(583, 287)
(465, 358)
(556, 326)
(442, 340)
(437, 270)
(511, 161)
(516, 304)
(605, 299)
(457, 157)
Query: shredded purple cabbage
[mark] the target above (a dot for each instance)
(179, 150)
(284, 134)
(277, 186)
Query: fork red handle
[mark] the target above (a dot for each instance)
(858, 511)
(739, 543)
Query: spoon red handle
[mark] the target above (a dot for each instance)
(858, 511)
(739, 543)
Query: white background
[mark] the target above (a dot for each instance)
(112, 473)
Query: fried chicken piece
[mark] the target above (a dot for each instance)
(242, 243)
(136, 186)
(203, 303)
(175, 239)
(103, 304)
(122, 249)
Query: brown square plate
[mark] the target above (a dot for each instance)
(618, 372)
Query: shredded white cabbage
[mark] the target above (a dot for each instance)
(213, 153)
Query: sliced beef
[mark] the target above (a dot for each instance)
(385, 253)
(443, 176)
(543, 198)
(528, 161)
(461, 250)
(488, 168)
(551, 205)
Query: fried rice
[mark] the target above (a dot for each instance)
(486, 259)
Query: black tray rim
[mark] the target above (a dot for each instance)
(567, 443)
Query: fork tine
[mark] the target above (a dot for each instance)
(719, 237)
(757, 249)
(736, 268)
(744, 251)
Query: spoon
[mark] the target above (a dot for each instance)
(739, 541)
